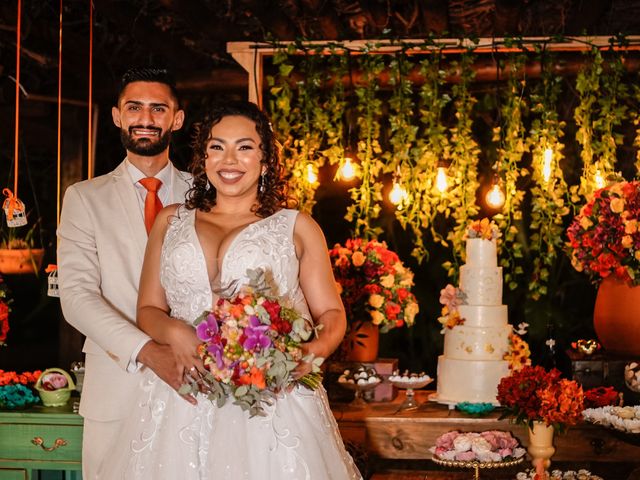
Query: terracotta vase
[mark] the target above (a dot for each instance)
(361, 342)
(541, 448)
(616, 317)
(15, 261)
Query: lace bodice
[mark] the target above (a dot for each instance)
(266, 244)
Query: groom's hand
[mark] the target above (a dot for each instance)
(161, 359)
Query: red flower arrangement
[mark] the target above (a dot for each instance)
(27, 379)
(4, 311)
(535, 394)
(604, 238)
(374, 284)
(601, 397)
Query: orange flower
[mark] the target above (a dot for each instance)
(358, 259)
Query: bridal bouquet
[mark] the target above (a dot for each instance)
(251, 345)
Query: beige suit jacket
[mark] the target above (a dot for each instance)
(101, 243)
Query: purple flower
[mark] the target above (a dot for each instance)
(256, 339)
(207, 329)
(216, 351)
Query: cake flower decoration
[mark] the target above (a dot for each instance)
(485, 229)
(451, 298)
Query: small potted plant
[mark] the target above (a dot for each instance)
(55, 387)
(18, 254)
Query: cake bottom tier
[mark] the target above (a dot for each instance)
(472, 381)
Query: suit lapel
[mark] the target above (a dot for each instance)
(129, 206)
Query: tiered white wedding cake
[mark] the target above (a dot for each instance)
(476, 336)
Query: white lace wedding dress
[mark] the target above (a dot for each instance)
(167, 438)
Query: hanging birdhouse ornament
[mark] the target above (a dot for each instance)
(52, 281)
(14, 210)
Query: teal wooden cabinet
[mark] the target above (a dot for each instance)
(41, 438)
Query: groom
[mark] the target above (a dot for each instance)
(102, 237)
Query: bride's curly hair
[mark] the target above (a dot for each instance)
(272, 192)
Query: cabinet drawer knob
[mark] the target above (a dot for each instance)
(397, 443)
(598, 445)
(39, 442)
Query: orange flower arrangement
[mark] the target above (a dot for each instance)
(374, 284)
(534, 394)
(604, 238)
(519, 355)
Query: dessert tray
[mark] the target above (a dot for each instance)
(623, 422)
(409, 382)
(477, 466)
(361, 380)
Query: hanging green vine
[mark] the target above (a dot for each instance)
(286, 119)
(549, 194)
(331, 112)
(402, 134)
(510, 136)
(588, 87)
(464, 163)
(612, 109)
(367, 196)
(432, 152)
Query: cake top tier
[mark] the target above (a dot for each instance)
(481, 246)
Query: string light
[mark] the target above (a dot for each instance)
(546, 164)
(398, 194)
(495, 196)
(348, 170)
(442, 180)
(599, 179)
(312, 176)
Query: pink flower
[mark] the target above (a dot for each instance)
(54, 381)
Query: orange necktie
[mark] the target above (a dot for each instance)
(152, 203)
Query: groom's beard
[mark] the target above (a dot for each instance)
(145, 147)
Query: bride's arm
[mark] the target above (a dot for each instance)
(152, 310)
(319, 287)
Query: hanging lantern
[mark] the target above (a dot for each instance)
(14, 210)
(52, 281)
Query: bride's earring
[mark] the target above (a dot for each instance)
(261, 183)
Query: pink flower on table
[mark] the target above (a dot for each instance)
(54, 381)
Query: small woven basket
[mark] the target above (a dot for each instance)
(55, 398)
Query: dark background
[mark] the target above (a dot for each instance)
(190, 37)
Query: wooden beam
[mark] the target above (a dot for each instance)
(250, 55)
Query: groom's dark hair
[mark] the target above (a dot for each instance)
(149, 74)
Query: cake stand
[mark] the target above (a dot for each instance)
(410, 402)
(358, 401)
(476, 466)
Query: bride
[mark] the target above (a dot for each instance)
(235, 218)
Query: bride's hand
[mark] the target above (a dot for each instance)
(184, 343)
